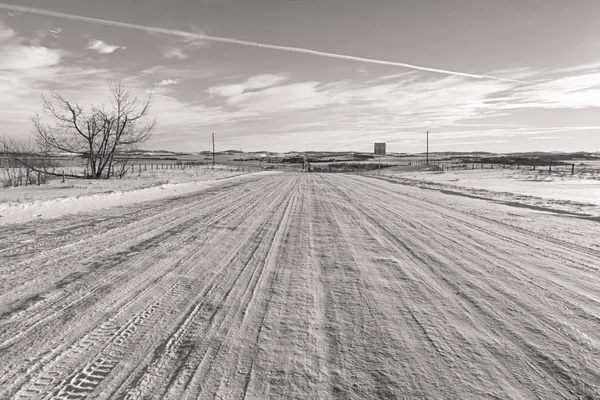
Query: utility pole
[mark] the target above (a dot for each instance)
(213, 140)
(427, 156)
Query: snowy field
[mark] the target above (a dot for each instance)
(25, 203)
(578, 193)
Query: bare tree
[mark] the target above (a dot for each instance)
(100, 134)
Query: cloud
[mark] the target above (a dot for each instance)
(174, 52)
(253, 83)
(18, 56)
(166, 82)
(55, 32)
(102, 47)
(28, 68)
(397, 108)
(444, 100)
(28, 57)
(295, 96)
(6, 33)
(175, 115)
(179, 47)
(219, 39)
(576, 91)
(190, 71)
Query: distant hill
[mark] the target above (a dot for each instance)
(336, 154)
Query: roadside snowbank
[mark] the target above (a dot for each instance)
(50, 202)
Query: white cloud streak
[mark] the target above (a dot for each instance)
(219, 39)
(167, 82)
(6, 33)
(252, 83)
(175, 53)
(102, 47)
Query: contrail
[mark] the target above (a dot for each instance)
(49, 13)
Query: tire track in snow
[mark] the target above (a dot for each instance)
(228, 209)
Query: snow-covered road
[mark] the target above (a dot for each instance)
(299, 286)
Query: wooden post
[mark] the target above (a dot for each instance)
(63, 181)
(213, 153)
(427, 156)
(550, 168)
(572, 169)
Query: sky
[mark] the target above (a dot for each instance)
(288, 75)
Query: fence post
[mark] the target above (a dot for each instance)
(572, 169)
(63, 181)
(550, 169)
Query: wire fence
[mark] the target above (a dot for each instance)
(561, 168)
(16, 175)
